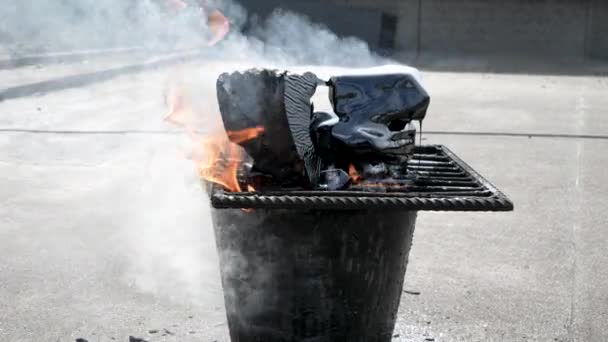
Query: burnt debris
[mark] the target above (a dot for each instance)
(442, 182)
(370, 131)
(136, 339)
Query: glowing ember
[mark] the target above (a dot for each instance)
(355, 177)
(361, 182)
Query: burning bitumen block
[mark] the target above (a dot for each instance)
(323, 254)
(278, 104)
(376, 114)
(371, 128)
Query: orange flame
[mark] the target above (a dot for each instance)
(224, 158)
(217, 156)
(245, 134)
(219, 26)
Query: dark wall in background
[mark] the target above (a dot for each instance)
(345, 21)
(503, 27)
(556, 28)
(597, 43)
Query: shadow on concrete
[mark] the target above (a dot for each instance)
(502, 64)
(80, 80)
(63, 57)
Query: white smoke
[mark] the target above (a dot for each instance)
(286, 38)
(168, 232)
(290, 39)
(170, 240)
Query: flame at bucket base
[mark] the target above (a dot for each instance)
(323, 276)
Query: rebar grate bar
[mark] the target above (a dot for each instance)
(437, 180)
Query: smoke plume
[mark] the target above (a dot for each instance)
(170, 240)
(32, 26)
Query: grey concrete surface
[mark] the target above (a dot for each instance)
(14, 76)
(498, 27)
(30, 80)
(103, 236)
(25, 58)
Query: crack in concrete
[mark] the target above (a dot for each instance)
(174, 132)
(580, 110)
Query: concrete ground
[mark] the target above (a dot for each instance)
(105, 232)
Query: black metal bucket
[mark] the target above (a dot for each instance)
(328, 266)
(312, 275)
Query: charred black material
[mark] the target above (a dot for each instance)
(298, 147)
(438, 180)
(136, 339)
(379, 98)
(256, 98)
(280, 104)
(374, 114)
(320, 134)
(323, 276)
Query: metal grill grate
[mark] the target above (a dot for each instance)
(439, 181)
